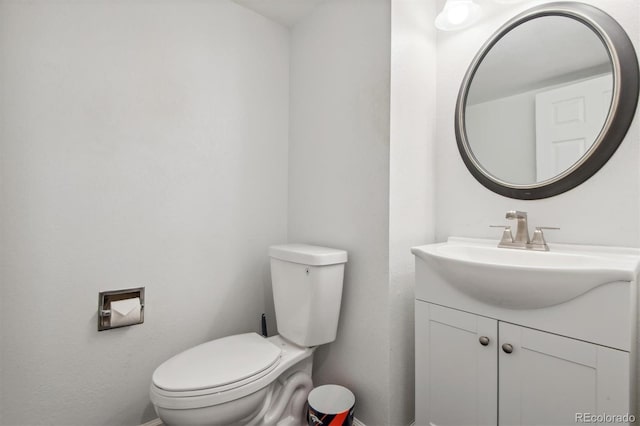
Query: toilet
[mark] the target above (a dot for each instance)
(247, 379)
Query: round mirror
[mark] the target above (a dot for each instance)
(547, 100)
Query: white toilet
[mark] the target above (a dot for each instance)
(247, 379)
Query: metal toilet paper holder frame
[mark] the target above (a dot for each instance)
(104, 305)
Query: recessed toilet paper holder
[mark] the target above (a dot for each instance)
(104, 305)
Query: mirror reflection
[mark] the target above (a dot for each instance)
(538, 100)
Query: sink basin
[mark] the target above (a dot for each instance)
(523, 279)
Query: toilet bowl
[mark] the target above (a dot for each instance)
(247, 379)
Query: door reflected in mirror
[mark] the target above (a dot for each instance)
(538, 100)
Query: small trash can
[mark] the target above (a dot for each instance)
(330, 405)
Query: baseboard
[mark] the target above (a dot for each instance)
(357, 422)
(158, 422)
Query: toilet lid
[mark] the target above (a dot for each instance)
(217, 363)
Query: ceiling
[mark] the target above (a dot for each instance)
(285, 12)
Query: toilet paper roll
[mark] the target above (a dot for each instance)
(125, 312)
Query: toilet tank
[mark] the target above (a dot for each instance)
(307, 291)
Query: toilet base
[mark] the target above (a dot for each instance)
(286, 404)
(229, 413)
(280, 404)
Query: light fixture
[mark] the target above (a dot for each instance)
(457, 14)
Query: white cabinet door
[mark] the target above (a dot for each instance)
(456, 375)
(549, 379)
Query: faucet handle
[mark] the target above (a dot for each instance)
(507, 236)
(538, 242)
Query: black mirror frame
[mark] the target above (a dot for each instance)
(623, 103)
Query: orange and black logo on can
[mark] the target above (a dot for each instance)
(341, 419)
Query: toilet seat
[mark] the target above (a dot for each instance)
(217, 364)
(286, 355)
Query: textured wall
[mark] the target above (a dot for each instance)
(339, 182)
(142, 143)
(412, 184)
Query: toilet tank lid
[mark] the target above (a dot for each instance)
(307, 254)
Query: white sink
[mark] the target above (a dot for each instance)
(523, 279)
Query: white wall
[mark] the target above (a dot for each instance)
(339, 182)
(142, 143)
(603, 210)
(412, 184)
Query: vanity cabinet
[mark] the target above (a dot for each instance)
(475, 370)
(516, 337)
